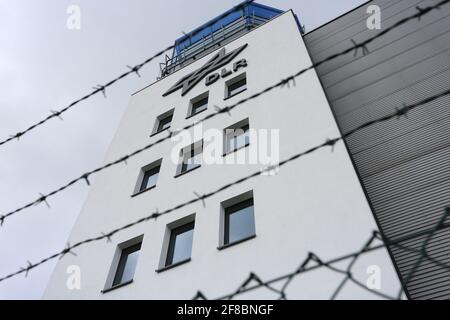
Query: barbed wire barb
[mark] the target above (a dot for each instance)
(27, 268)
(222, 110)
(155, 215)
(363, 46)
(107, 236)
(287, 81)
(331, 143)
(66, 250)
(421, 11)
(402, 111)
(57, 114)
(135, 69)
(43, 198)
(199, 296)
(201, 198)
(101, 88)
(86, 179)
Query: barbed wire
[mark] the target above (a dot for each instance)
(398, 113)
(96, 90)
(282, 83)
(313, 262)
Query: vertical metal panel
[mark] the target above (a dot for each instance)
(404, 165)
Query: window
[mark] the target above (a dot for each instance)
(163, 122)
(191, 158)
(239, 222)
(180, 244)
(177, 243)
(198, 104)
(127, 264)
(237, 136)
(150, 178)
(235, 86)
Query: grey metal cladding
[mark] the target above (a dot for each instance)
(404, 165)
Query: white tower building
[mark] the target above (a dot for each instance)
(267, 224)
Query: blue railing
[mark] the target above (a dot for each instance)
(217, 32)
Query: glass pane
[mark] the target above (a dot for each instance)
(127, 264)
(241, 224)
(151, 181)
(237, 87)
(150, 178)
(183, 246)
(130, 267)
(199, 105)
(232, 143)
(164, 123)
(192, 161)
(239, 139)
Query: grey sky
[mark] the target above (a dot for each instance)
(44, 66)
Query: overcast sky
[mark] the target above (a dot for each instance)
(44, 66)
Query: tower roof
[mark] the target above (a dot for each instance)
(216, 32)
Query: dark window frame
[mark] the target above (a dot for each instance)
(162, 121)
(147, 174)
(124, 253)
(195, 106)
(233, 85)
(230, 210)
(232, 136)
(172, 241)
(184, 160)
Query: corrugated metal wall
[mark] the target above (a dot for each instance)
(404, 165)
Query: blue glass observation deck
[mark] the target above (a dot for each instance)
(217, 32)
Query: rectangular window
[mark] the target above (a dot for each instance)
(191, 157)
(127, 264)
(163, 122)
(198, 104)
(236, 85)
(180, 244)
(150, 178)
(237, 136)
(239, 222)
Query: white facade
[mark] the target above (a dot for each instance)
(314, 204)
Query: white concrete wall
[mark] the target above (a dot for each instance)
(313, 204)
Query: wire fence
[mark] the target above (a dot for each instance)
(96, 90)
(312, 261)
(43, 198)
